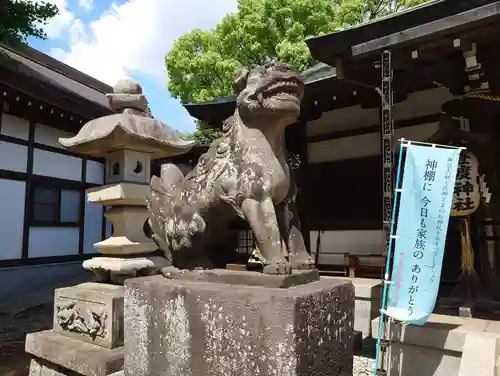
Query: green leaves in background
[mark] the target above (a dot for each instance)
(20, 19)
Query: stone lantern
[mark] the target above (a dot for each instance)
(128, 140)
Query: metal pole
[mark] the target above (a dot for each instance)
(387, 144)
(387, 133)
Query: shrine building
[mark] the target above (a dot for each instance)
(442, 63)
(47, 227)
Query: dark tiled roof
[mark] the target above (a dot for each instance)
(40, 72)
(316, 73)
(326, 47)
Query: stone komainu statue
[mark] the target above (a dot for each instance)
(243, 174)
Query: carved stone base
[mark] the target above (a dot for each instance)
(57, 355)
(117, 270)
(39, 367)
(90, 312)
(219, 328)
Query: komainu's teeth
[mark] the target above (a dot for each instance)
(260, 98)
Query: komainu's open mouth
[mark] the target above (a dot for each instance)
(284, 88)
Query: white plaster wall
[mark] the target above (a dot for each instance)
(364, 145)
(53, 241)
(92, 227)
(49, 136)
(56, 165)
(95, 172)
(334, 244)
(422, 103)
(15, 127)
(13, 157)
(12, 194)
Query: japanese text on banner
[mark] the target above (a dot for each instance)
(422, 221)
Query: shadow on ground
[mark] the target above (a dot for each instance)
(25, 314)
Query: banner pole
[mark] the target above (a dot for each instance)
(387, 264)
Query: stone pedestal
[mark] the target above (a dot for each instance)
(211, 323)
(55, 354)
(367, 293)
(87, 338)
(444, 346)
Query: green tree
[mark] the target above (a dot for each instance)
(20, 19)
(202, 64)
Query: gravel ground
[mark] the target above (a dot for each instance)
(28, 313)
(364, 359)
(363, 366)
(13, 329)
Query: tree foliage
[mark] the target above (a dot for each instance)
(20, 19)
(202, 64)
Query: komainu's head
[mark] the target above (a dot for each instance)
(274, 92)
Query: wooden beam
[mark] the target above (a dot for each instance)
(28, 107)
(449, 25)
(416, 77)
(51, 96)
(28, 196)
(373, 128)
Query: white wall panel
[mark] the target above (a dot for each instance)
(422, 103)
(344, 148)
(49, 136)
(343, 119)
(15, 127)
(418, 104)
(95, 172)
(364, 145)
(56, 165)
(93, 226)
(53, 241)
(13, 157)
(335, 244)
(12, 195)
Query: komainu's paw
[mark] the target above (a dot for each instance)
(278, 268)
(301, 262)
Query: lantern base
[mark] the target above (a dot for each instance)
(116, 270)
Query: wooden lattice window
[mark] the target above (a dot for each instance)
(245, 241)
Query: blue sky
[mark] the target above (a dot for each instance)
(110, 40)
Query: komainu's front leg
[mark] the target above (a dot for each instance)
(290, 229)
(261, 217)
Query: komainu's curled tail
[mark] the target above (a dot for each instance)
(173, 220)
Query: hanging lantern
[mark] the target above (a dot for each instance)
(466, 196)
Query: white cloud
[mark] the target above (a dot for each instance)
(134, 37)
(86, 4)
(58, 53)
(58, 25)
(77, 32)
